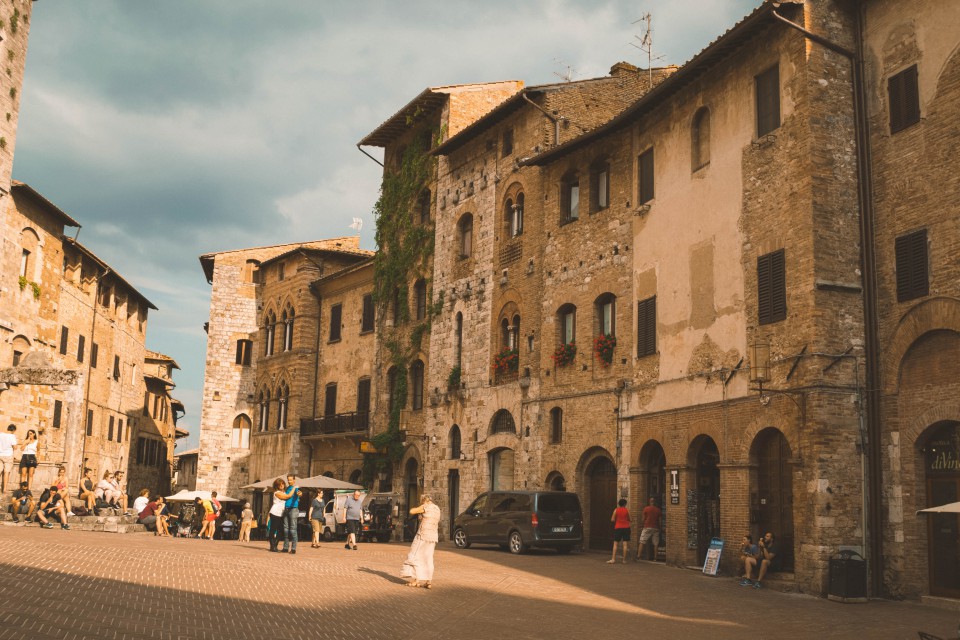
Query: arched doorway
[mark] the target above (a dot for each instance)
(411, 483)
(941, 463)
(653, 484)
(771, 495)
(556, 481)
(704, 457)
(501, 470)
(601, 479)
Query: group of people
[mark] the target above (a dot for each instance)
(649, 534)
(50, 506)
(153, 512)
(28, 456)
(762, 556)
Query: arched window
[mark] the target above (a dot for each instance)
(416, 384)
(420, 298)
(240, 438)
(513, 216)
(29, 244)
(605, 307)
(567, 324)
(556, 425)
(700, 138)
(502, 422)
(505, 334)
(455, 445)
(263, 402)
(288, 315)
(423, 204)
(515, 332)
(283, 394)
(269, 332)
(569, 198)
(21, 346)
(458, 341)
(465, 233)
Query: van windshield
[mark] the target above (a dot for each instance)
(557, 502)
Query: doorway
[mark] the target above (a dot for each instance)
(771, 500)
(453, 495)
(707, 499)
(941, 457)
(501, 470)
(602, 484)
(653, 469)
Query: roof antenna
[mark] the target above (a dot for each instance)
(646, 44)
(568, 76)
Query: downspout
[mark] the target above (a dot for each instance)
(360, 149)
(86, 392)
(554, 119)
(873, 449)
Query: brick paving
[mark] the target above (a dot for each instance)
(74, 584)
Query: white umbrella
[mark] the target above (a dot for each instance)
(953, 507)
(263, 484)
(326, 482)
(190, 496)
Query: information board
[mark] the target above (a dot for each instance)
(712, 562)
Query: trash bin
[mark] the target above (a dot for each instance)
(848, 577)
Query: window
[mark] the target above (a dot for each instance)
(116, 367)
(768, 100)
(599, 188)
(240, 436)
(81, 343)
(700, 139)
(465, 229)
(513, 216)
(281, 271)
(110, 423)
(455, 443)
(420, 298)
(146, 403)
(24, 261)
(330, 400)
(283, 395)
(771, 287)
(567, 324)
(336, 317)
(288, 317)
(244, 350)
(119, 431)
(606, 314)
(416, 384)
(645, 191)
(423, 204)
(57, 413)
(17, 356)
(269, 332)
(94, 353)
(506, 147)
(647, 327)
(264, 406)
(503, 422)
(391, 388)
(89, 422)
(64, 338)
(250, 271)
(556, 425)
(904, 97)
(366, 320)
(363, 395)
(570, 199)
(458, 341)
(913, 279)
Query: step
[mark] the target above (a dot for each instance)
(109, 524)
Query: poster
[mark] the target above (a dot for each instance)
(712, 562)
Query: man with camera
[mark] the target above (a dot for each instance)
(767, 558)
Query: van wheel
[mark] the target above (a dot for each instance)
(460, 539)
(327, 535)
(516, 543)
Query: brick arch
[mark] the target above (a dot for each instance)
(500, 441)
(265, 316)
(709, 429)
(748, 435)
(929, 315)
(587, 457)
(946, 83)
(411, 452)
(510, 193)
(643, 458)
(914, 430)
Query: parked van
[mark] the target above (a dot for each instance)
(518, 520)
(379, 511)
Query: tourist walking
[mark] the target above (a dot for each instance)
(651, 529)
(621, 530)
(275, 523)
(418, 567)
(28, 459)
(353, 506)
(315, 516)
(246, 523)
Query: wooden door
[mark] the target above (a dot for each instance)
(603, 500)
(453, 495)
(775, 493)
(943, 536)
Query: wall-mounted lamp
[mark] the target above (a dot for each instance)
(760, 362)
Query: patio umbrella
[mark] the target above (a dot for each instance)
(263, 484)
(953, 507)
(190, 496)
(325, 482)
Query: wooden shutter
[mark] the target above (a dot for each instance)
(767, 86)
(116, 367)
(119, 430)
(57, 413)
(64, 337)
(336, 314)
(366, 323)
(330, 400)
(904, 99)
(646, 191)
(94, 351)
(771, 288)
(913, 278)
(647, 327)
(81, 344)
(363, 395)
(89, 422)
(110, 423)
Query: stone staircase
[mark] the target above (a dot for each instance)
(106, 523)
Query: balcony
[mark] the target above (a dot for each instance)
(338, 424)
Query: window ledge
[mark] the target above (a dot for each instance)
(334, 341)
(761, 142)
(642, 210)
(364, 332)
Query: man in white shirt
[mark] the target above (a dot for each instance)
(8, 441)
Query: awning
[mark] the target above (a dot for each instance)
(953, 507)
(316, 482)
(189, 496)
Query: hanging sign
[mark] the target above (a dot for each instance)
(712, 562)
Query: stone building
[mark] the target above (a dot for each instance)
(185, 470)
(74, 334)
(261, 357)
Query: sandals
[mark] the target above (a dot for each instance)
(414, 583)
(417, 583)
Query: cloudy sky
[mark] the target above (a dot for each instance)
(176, 128)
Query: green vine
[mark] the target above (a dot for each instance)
(14, 21)
(23, 282)
(36, 290)
(453, 380)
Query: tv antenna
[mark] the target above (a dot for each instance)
(646, 43)
(568, 75)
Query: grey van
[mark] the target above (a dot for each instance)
(518, 520)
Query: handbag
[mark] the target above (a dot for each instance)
(253, 524)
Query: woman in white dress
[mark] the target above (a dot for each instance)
(418, 567)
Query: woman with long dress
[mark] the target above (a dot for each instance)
(418, 567)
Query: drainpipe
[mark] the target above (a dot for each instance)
(554, 119)
(871, 331)
(360, 149)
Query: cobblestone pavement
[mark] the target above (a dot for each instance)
(70, 584)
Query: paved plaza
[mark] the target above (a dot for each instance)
(72, 584)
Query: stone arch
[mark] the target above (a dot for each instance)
(703, 458)
(555, 481)
(502, 422)
(929, 315)
(771, 479)
(652, 465)
(597, 487)
(748, 435)
(501, 468)
(917, 428)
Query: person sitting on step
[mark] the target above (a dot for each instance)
(51, 505)
(768, 559)
(22, 503)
